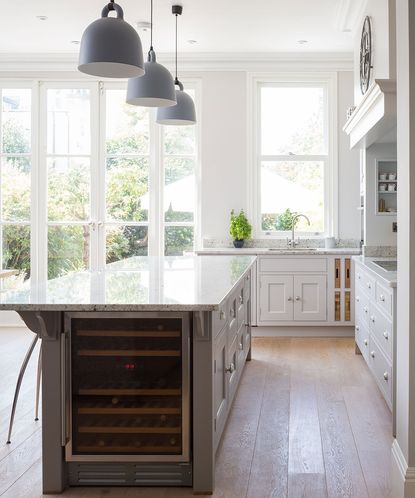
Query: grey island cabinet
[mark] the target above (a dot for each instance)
(141, 362)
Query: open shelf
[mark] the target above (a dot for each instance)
(130, 392)
(127, 352)
(129, 430)
(128, 333)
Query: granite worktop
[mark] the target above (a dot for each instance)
(265, 251)
(390, 278)
(186, 283)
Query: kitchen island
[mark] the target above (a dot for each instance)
(141, 362)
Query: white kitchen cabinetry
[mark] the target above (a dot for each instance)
(304, 290)
(293, 297)
(375, 327)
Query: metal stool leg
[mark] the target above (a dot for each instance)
(19, 383)
(39, 375)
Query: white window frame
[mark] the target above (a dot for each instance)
(255, 81)
(39, 220)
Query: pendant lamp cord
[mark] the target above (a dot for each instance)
(176, 79)
(151, 26)
(111, 5)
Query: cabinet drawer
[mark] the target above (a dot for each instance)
(292, 265)
(381, 369)
(384, 298)
(382, 329)
(362, 340)
(362, 308)
(219, 318)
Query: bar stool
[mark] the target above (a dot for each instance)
(19, 383)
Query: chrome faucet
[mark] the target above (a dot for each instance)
(292, 243)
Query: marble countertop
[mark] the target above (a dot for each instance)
(390, 278)
(263, 251)
(188, 283)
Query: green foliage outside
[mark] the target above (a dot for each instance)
(240, 228)
(282, 222)
(68, 199)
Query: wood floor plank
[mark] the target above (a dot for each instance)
(307, 486)
(269, 470)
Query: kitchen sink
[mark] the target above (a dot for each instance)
(387, 265)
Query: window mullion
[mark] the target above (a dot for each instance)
(155, 228)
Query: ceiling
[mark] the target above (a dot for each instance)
(225, 26)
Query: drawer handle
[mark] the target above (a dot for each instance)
(357, 328)
(365, 342)
(366, 309)
(230, 369)
(241, 346)
(297, 298)
(382, 297)
(241, 299)
(372, 319)
(357, 299)
(386, 376)
(372, 354)
(222, 315)
(369, 285)
(290, 299)
(386, 335)
(232, 313)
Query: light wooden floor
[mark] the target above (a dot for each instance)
(308, 421)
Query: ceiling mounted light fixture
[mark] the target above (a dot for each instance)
(110, 47)
(183, 113)
(156, 87)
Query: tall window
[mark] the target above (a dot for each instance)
(294, 157)
(15, 179)
(108, 182)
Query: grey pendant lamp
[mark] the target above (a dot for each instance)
(156, 87)
(110, 47)
(183, 113)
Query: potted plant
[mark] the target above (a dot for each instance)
(240, 228)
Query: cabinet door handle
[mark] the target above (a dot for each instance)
(365, 342)
(382, 297)
(230, 369)
(369, 285)
(386, 335)
(241, 299)
(372, 354)
(366, 309)
(357, 328)
(290, 299)
(386, 376)
(372, 319)
(232, 313)
(357, 299)
(297, 298)
(241, 346)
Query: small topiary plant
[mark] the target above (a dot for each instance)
(240, 228)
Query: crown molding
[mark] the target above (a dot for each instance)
(55, 62)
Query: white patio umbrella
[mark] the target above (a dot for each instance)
(179, 196)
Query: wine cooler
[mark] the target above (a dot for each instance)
(126, 387)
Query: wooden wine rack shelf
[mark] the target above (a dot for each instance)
(129, 411)
(128, 333)
(130, 392)
(127, 352)
(129, 430)
(129, 449)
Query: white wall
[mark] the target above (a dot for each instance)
(382, 17)
(224, 153)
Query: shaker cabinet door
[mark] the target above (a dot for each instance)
(310, 298)
(276, 298)
(220, 383)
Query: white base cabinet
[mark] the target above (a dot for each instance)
(304, 290)
(375, 328)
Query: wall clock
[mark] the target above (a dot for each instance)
(366, 55)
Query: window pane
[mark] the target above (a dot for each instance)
(16, 118)
(177, 240)
(293, 120)
(127, 125)
(68, 189)
(179, 139)
(292, 187)
(126, 241)
(179, 189)
(127, 194)
(69, 128)
(68, 249)
(16, 248)
(15, 189)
